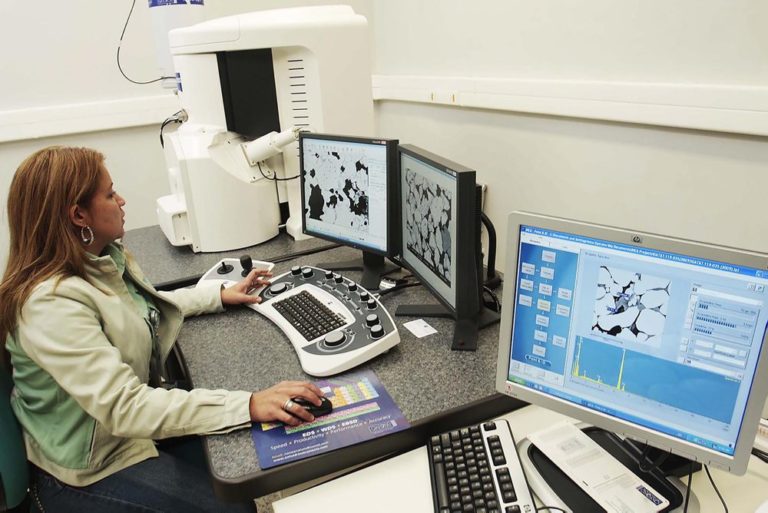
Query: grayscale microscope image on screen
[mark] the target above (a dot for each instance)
(345, 186)
(630, 305)
(429, 224)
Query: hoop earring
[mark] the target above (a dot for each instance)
(86, 235)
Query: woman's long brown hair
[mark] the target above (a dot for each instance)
(44, 242)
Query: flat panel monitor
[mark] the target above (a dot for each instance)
(658, 338)
(440, 239)
(346, 188)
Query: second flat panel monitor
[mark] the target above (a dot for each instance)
(440, 240)
(346, 188)
(429, 197)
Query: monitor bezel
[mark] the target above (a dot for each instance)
(467, 231)
(737, 463)
(392, 158)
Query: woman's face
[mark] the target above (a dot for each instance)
(105, 213)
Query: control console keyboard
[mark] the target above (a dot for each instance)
(308, 315)
(477, 469)
(332, 322)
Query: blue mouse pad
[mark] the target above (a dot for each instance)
(362, 410)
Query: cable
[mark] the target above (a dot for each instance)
(725, 506)
(661, 458)
(118, 53)
(496, 302)
(550, 508)
(492, 279)
(296, 254)
(275, 178)
(399, 281)
(179, 117)
(399, 287)
(394, 270)
(688, 488)
(760, 454)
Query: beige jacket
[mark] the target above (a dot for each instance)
(80, 358)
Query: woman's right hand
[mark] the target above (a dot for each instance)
(267, 405)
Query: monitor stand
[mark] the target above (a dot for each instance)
(554, 488)
(373, 266)
(466, 329)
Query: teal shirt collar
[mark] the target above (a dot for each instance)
(114, 255)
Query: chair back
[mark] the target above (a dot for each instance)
(14, 469)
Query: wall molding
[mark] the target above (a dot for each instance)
(55, 120)
(714, 107)
(722, 108)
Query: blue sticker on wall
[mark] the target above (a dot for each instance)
(161, 3)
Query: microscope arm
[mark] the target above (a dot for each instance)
(268, 145)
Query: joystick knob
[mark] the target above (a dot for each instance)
(278, 288)
(224, 268)
(371, 304)
(295, 270)
(338, 278)
(247, 264)
(334, 338)
(328, 275)
(352, 286)
(371, 319)
(307, 272)
(363, 296)
(377, 331)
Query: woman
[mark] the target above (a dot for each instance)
(87, 336)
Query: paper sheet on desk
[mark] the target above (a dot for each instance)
(600, 475)
(420, 328)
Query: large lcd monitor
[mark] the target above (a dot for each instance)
(347, 185)
(440, 240)
(657, 338)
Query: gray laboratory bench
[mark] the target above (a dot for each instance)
(436, 388)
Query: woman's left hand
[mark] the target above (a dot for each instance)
(242, 291)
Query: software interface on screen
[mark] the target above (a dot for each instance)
(658, 339)
(428, 203)
(345, 191)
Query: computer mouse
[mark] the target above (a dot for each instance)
(324, 408)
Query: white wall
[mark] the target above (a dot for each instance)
(217, 8)
(58, 70)
(61, 85)
(59, 67)
(57, 53)
(699, 41)
(698, 185)
(703, 185)
(132, 156)
(59, 60)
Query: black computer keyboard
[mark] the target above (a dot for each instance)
(308, 315)
(477, 469)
